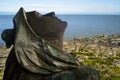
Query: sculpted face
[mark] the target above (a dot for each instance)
(47, 26)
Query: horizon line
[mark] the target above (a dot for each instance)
(82, 13)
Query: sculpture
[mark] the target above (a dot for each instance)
(37, 49)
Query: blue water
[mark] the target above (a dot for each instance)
(78, 25)
(90, 25)
(5, 23)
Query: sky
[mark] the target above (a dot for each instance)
(63, 6)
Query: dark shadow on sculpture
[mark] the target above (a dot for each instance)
(37, 50)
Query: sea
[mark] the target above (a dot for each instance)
(78, 25)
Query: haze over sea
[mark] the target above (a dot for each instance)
(78, 25)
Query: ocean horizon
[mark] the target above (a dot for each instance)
(78, 25)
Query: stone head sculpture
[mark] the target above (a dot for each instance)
(37, 42)
(47, 26)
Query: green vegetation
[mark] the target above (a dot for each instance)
(105, 65)
(100, 51)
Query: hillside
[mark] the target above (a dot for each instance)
(101, 51)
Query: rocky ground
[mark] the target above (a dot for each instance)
(101, 51)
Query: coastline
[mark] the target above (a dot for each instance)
(101, 40)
